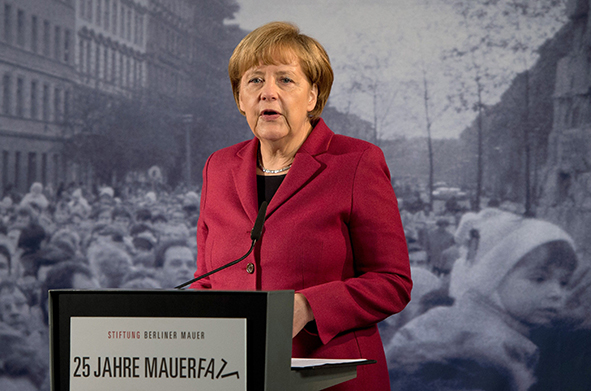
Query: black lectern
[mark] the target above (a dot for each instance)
(179, 340)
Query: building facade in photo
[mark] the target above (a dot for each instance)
(567, 180)
(52, 52)
(171, 46)
(111, 45)
(37, 74)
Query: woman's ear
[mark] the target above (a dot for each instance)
(313, 98)
(239, 101)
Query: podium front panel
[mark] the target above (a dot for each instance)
(265, 316)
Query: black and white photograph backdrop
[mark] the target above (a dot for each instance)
(110, 108)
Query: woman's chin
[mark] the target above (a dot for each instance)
(271, 132)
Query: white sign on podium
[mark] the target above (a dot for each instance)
(152, 354)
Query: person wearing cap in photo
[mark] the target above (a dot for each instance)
(511, 279)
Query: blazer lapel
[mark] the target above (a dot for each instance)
(302, 171)
(245, 180)
(305, 166)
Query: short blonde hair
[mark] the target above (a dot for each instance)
(277, 42)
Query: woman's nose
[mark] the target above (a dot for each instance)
(269, 92)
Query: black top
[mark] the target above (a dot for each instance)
(267, 187)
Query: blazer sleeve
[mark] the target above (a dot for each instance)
(382, 284)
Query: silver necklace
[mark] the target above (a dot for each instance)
(266, 171)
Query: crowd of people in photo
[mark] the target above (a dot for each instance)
(497, 299)
(132, 238)
(499, 302)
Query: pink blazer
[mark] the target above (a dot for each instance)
(333, 233)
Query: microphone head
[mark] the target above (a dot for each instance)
(257, 230)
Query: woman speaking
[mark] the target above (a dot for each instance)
(332, 233)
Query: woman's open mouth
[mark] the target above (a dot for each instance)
(270, 115)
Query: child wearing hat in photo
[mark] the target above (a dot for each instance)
(511, 279)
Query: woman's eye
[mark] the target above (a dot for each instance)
(286, 80)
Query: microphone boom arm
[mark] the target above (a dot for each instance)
(255, 235)
(184, 284)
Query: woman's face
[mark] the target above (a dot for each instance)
(276, 100)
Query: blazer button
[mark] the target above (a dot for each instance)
(250, 268)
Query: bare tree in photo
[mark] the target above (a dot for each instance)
(373, 79)
(501, 42)
(469, 65)
(434, 106)
(522, 15)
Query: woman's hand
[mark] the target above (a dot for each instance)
(302, 313)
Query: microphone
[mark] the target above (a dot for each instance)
(255, 234)
(257, 230)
